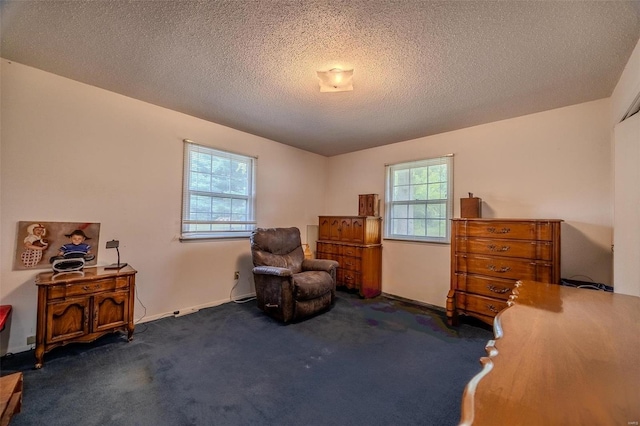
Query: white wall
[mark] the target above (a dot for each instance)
(73, 152)
(626, 147)
(627, 88)
(627, 207)
(554, 164)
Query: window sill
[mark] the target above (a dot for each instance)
(196, 238)
(413, 240)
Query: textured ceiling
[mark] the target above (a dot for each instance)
(421, 67)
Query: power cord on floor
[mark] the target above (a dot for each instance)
(591, 284)
(245, 300)
(143, 315)
(582, 276)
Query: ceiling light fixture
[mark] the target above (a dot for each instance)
(336, 80)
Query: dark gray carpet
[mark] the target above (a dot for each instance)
(365, 362)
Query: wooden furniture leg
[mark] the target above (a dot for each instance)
(452, 314)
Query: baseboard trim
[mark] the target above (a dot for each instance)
(191, 309)
(415, 302)
(194, 309)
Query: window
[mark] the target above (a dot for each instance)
(218, 197)
(419, 200)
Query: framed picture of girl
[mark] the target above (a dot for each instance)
(39, 243)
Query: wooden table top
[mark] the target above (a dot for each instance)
(86, 274)
(10, 396)
(562, 356)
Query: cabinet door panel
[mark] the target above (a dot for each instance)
(324, 229)
(67, 320)
(357, 231)
(110, 310)
(345, 229)
(334, 229)
(372, 230)
(362, 206)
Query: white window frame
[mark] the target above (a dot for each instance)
(203, 224)
(403, 196)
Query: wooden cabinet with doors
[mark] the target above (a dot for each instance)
(81, 306)
(355, 243)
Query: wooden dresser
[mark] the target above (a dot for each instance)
(355, 243)
(489, 255)
(82, 306)
(561, 356)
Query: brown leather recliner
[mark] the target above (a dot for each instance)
(288, 286)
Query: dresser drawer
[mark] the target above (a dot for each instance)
(351, 263)
(88, 287)
(344, 262)
(511, 230)
(328, 248)
(479, 304)
(347, 278)
(504, 267)
(485, 286)
(351, 251)
(541, 250)
(328, 256)
(337, 258)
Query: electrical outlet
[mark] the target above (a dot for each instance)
(31, 340)
(236, 275)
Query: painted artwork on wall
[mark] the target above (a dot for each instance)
(39, 244)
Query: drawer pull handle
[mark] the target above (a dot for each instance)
(493, 247)
(493, 309)
(493, 230)
(88, 287)
(501, 270)
(499, 290)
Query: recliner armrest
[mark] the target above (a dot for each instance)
(319, 265)
(272, 270)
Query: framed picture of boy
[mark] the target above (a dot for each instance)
(39, 243)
